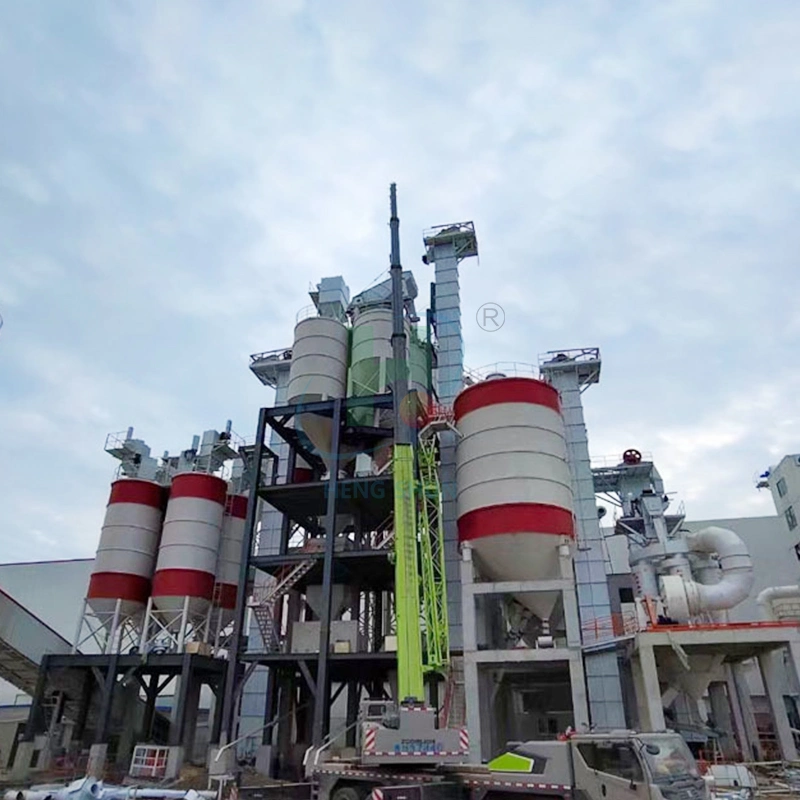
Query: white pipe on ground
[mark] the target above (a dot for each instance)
(766, 598)
(687, 598)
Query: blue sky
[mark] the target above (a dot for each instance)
(174, 175)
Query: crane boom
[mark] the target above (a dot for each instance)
(407, 597)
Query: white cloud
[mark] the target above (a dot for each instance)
(176, 175)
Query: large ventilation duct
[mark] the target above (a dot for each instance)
(767, 599)
(685, 598)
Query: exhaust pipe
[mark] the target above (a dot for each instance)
(768, 596)
(687, 598)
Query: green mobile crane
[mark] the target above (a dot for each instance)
(408, 732)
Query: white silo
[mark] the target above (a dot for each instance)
(187, 555)
(514, 492)
(126, 554)
(318, 372)
(230, 556)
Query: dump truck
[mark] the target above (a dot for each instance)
(401, 756)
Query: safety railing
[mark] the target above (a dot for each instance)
(579, 354)
(615, 626)
(606, 462)
(281, 354)
(601, 629)
(305, 312)
(505, 369)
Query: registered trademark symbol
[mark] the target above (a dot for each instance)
(491, 317)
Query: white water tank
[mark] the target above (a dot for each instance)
(126, 554)
(514, 489)
(187, 555)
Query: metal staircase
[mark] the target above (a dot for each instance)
(454, 708)
(265, 604)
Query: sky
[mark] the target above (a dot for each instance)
(173, 176)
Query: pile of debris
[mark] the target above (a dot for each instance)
(93, 789)
(777, 779)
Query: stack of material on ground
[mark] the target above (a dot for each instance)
(733, 782)
(93, 789)
(777, 779)
(772, 779)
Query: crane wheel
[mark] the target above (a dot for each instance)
(350, 793)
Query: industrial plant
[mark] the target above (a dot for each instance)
(408, 566)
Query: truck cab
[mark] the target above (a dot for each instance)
(621, 765)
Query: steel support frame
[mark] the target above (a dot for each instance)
(277, 418)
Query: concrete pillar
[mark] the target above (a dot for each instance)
(650, 703)
(22, 761)
(580, 703)
(794, 658)
(96, 765)
(471, 680)
(135, 718)
(721, 713)
(472, 696)
(191, 708)
(736, 711)
(771, 665)
(751, 744)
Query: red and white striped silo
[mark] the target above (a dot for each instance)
(187, 555)
(126, 555)
(230, 555)
(514, 489)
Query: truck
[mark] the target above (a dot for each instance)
(404, 758)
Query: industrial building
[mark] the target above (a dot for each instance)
(252, 594)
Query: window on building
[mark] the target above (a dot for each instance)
(612, 758)
(791, 519)
(797, 551)
(626, 594)
(781, 487)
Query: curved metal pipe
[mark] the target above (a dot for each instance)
(772, 593)
(735, 562)
(686, 598)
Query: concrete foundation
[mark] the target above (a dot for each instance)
(726, 648)
(174, 762)
(96, 766)
(520, 692)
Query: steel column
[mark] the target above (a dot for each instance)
(179, 710)
(86, 700)
(321, 707)
(353, 697)
(36, 703)
(101, 735)
(229, 698)
(270, 705)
